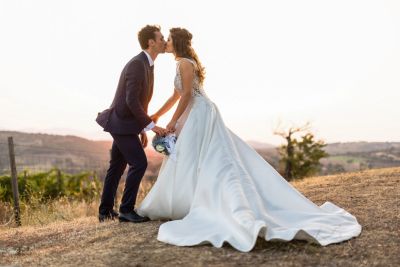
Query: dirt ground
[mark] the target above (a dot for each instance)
(372, 196)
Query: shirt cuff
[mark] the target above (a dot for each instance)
(150, 126)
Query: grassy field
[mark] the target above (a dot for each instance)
(372, 196)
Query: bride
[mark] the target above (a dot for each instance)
(218, 189)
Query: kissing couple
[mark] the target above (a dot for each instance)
(218, 189)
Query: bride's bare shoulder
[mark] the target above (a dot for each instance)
(185, 65)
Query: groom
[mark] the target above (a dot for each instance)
(126, 120)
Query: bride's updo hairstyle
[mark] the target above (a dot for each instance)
(182, 42)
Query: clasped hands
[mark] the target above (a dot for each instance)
(158, 130)
(161, 131)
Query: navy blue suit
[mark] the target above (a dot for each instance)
(124, 120)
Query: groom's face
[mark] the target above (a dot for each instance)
(159, 43)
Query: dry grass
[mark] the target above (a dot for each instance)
(37, 213)
(372, 196)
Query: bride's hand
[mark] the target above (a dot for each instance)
(171, 127)
(154, 118)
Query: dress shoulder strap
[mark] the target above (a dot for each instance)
(186, 59)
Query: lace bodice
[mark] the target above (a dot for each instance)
(197, 88)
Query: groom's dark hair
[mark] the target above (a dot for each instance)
(147, 33)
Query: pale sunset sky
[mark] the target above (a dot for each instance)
(333, 63)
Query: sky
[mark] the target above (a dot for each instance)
(335, 63)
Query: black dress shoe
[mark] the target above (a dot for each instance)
(111, 215)
(132, 217)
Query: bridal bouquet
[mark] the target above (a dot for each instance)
(165, 144)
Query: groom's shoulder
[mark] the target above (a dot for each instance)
(135, 64)
(138, 59)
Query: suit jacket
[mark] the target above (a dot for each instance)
(128, 111)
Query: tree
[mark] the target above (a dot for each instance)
(300, 157)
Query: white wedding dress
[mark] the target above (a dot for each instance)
(218, 189)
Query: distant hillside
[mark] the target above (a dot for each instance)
(354, 156)
(260, 145)
(350, 156)
(73, 154)
(361, 147)
(38, 152)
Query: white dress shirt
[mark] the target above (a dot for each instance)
(151, 124)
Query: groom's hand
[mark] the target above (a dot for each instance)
(143, 139)
(154, 118)
(160, 131)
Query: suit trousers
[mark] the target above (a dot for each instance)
(126, 149)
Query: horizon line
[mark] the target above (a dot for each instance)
(110, 139)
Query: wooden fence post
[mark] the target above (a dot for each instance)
(14, 181)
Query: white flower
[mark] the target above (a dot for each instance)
(160, 148)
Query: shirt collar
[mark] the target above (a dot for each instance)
(151, 62)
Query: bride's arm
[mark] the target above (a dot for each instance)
(166, 107)
(186, 70)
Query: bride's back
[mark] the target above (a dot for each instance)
(197, 88)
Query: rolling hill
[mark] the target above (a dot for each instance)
(38, 152)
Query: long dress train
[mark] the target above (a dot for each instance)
(218, 189)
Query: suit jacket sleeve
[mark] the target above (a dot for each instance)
(134, 87)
